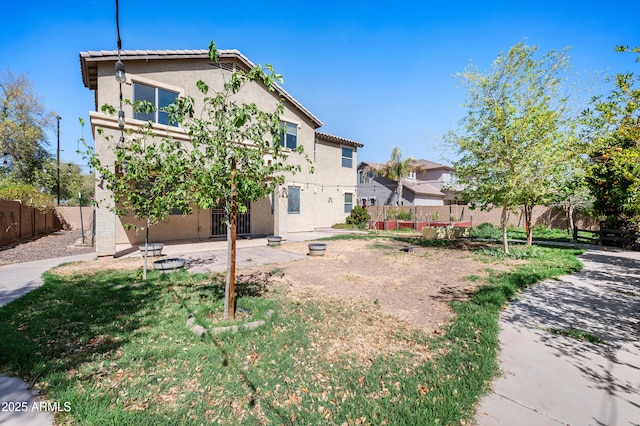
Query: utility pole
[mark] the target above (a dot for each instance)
(58, 181)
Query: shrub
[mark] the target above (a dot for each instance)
(359, 216)
(28, 194)
(399, 214)
(486, 230)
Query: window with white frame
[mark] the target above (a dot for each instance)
(347, 157)
(289, 135)
(348, 202)
(412, 175)
(157, 97)
(293, 199)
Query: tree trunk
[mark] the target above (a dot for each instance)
(229, 293)
(146, 251)
(571, 211)
(503, 223)
(400, 188)
(528, 212)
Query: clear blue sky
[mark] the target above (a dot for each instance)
(380, 73)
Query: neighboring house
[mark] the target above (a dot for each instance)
(306, 201)
(430, 184)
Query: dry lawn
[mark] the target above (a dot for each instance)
(415, 286)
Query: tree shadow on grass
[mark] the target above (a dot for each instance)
(71, 320)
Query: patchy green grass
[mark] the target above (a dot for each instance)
(120, 352)
(526, 252)
(489, 231)
(541, 233)
(381, 246)
(583, 336)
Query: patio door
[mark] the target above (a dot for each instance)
(219, 227)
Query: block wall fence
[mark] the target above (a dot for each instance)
(544, 216)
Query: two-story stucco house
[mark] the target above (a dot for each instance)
(306, 201)
(429, 184)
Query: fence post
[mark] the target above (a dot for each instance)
(20, 221)
(81, 222)
(93, 229)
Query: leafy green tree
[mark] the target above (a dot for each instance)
(573, 192)
(71, 179)
(23, 125)
(515, 134)
(235, 155)
(148, 180)
(613, 125)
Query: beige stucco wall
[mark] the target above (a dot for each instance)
(322, 194)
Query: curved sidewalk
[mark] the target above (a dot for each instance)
(20, 405)
(549, 379)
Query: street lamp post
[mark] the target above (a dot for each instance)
(58, 180)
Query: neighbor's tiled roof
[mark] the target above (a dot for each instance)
(338, 139)
(89, 67)
(419, 164)
(430, 165)
(422, 188)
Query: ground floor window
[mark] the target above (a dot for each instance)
(348, 202)
(293, 199)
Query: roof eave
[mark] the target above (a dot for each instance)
(139, 55)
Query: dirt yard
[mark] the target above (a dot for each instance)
(416, 286)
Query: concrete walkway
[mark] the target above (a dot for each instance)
(16, 396)
(554, 380)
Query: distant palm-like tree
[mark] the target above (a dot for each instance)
(397, 169)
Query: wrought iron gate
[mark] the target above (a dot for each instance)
(219, 227)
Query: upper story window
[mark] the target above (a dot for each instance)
(412, 175)
(289, 136)
(157, 97)
(365, 177)
(347, 157)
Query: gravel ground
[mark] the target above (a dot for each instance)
(58, 244)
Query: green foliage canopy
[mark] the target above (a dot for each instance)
(516, 134)
(613, 126)
(23, 125)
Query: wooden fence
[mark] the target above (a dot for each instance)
(608, 237)
(19, 222)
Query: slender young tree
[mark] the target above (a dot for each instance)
(235, 154)
(148, 180)
(513, 139)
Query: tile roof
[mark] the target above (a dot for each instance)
(419, 164)
(422, 188)
(90, 59)
(338, 139)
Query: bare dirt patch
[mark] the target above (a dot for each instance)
(416, 286)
